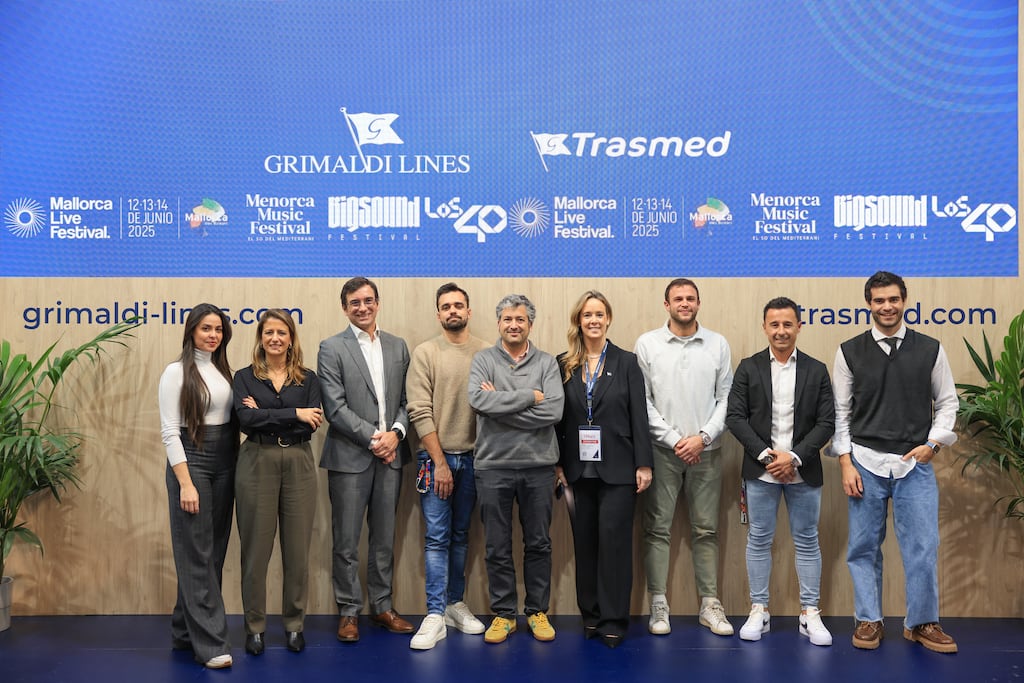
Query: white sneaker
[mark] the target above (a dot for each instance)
(811, 626)
(458, 616)
(219, 662)
(758, 622)
(432, 629)
(659, 624)
(712, 615)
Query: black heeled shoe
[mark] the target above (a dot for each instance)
(254, 643)
(295, 641)
(611, 640)
(590, 632)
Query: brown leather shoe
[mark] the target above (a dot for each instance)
(868, 635)
(392, 622)
(348, 630)
(932, 637)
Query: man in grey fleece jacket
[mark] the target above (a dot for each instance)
(516, 391)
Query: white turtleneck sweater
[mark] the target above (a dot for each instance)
(171, 424)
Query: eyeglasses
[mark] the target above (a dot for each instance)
(363, 303)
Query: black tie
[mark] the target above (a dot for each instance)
(891, 341)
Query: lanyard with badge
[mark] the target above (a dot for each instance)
(590, 434)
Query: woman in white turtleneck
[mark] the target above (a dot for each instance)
(201, 441)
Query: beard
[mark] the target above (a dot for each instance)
(454, 324)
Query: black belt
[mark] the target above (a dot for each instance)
(272, 440)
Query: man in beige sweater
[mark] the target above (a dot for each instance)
(439, 411)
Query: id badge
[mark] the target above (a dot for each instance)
(590, 443)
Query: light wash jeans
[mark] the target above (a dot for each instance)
(803, 503)
(915, 509)
(447, 532)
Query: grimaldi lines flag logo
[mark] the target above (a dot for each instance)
(371, 129)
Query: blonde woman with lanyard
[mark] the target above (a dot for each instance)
(605, 456)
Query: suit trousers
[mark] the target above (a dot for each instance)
(603, 537)
(373, 493)
(275, 486)
(200, 541)
(533, 488)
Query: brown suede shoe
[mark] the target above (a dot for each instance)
(932, 637)
(392, 622)
(348, 630)
(868, 635)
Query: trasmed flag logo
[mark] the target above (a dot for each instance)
(24, 217)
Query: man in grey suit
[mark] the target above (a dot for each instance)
(362, 376)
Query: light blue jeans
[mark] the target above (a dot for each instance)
(803, 503)
(915, 509)
(447, 533)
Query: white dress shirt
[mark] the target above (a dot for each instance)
(783, 411)
(373, 353)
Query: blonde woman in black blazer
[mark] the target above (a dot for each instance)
(606, 412)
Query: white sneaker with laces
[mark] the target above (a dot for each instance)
(758, 622)
(712, 615)
(458, 616)
(432, 629)
(659, 623)
(811, 626)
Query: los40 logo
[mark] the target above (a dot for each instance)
(479, 219)
(986, 217)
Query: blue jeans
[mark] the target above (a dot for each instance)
(447, 533)
(803, 503)
(915, 510)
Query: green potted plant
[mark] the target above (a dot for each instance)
(34, 456)
(992, 414)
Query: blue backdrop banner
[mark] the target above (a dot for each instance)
(508, 138)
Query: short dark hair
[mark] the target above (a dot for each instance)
(779, 303)
(355, 284)
(682, 282)
(884, 278)
(448, 288)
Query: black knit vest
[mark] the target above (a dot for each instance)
(892, 397)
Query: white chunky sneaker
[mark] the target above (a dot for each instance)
(757, 623)
(712, 615)
(219, 662)
(431, 630)
(659, 624)
(458, 616)
(811, 626)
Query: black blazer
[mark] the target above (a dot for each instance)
(749, 416)
(620, 409)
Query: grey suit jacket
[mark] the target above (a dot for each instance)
(350, 402)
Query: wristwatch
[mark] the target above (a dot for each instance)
(398, 433)
(705, 439)
(934, 446)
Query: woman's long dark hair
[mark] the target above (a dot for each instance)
(195, 395)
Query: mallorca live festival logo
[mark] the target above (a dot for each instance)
(367, 129)
(24, 217)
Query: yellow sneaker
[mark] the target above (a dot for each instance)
(540, 626)
(499, 630)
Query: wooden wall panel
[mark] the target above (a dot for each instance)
(107, 546)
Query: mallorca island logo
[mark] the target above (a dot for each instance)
(529, 217)
(24, 217)
(367, 128)
(210, 212)
(711, 213)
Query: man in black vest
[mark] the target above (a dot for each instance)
(896, 407)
